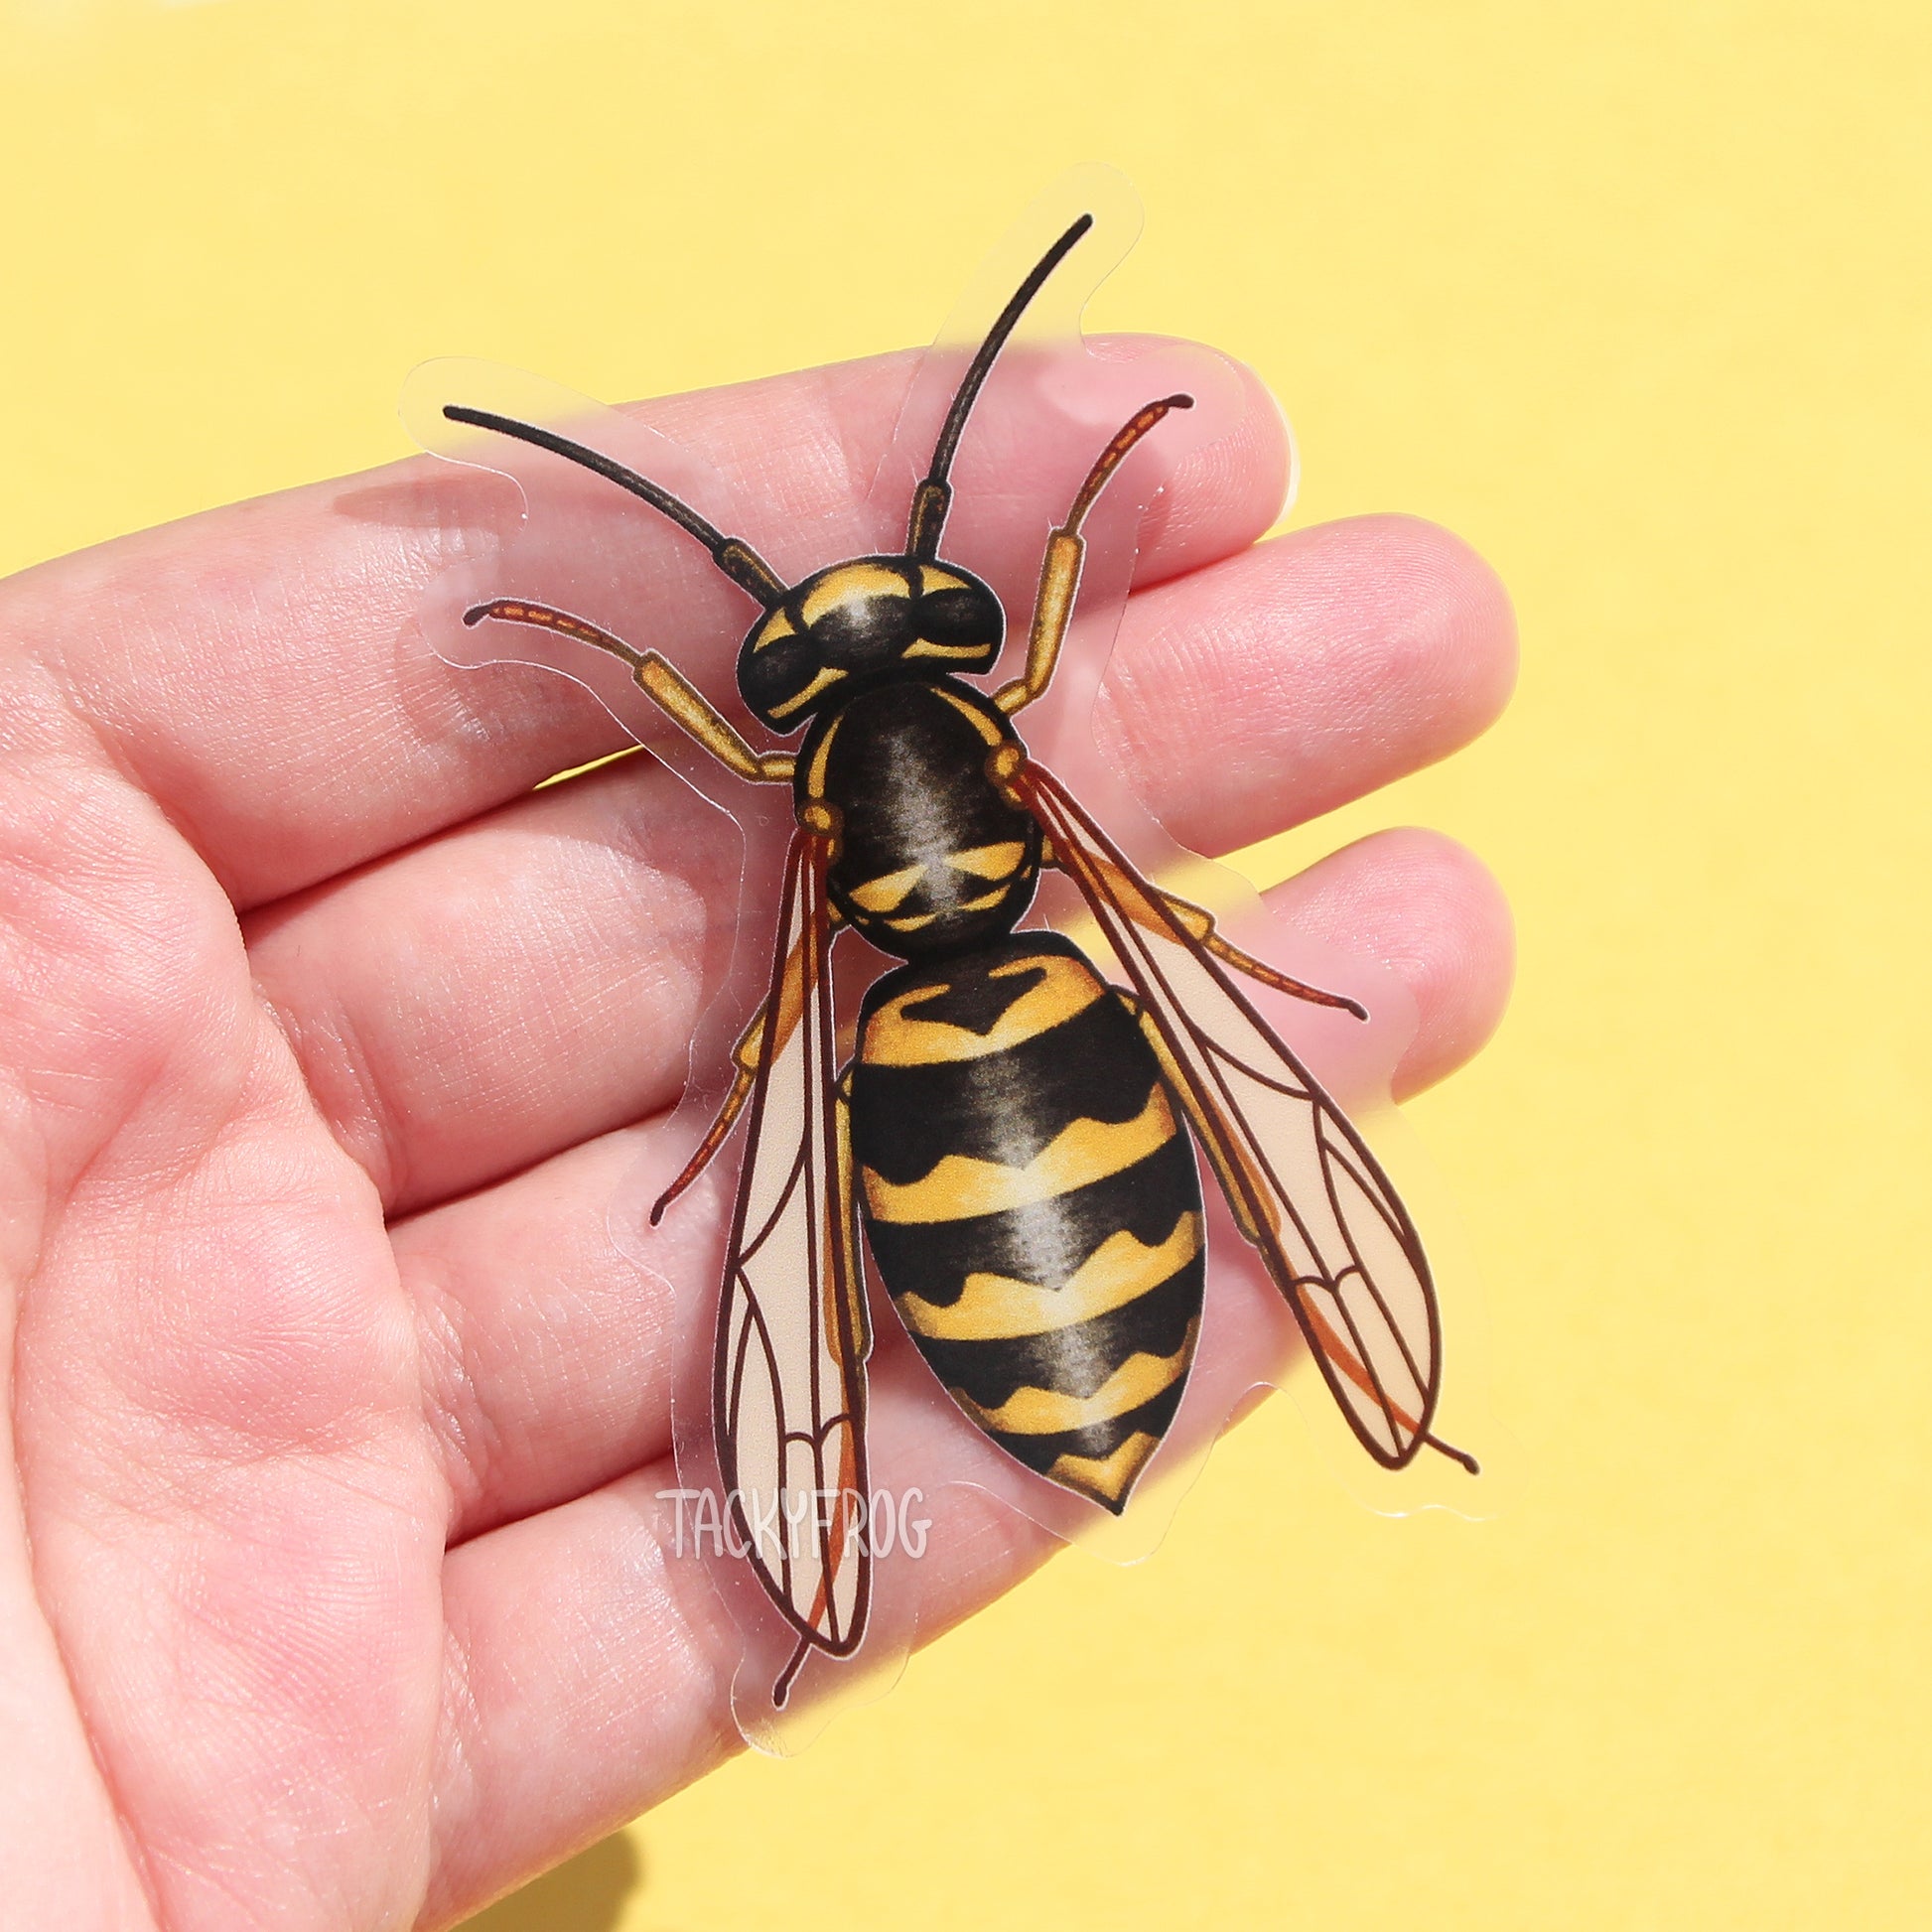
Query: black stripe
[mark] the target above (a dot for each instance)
(1102, 1439)
(974, 1002)
(1005, 1106)
(1045, 1242)
(1075, 1360)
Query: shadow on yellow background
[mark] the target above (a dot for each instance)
(587, 1894)
(1636, 298)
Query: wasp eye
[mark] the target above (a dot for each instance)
(773, 666)
(970, 615)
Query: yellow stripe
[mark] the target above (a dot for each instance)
(1046, 1412)
(889, 888)
(815, 777)
(994, 1308)
(1107, 1478)
(986, 728)
(911, 921)
(893, 888)
(894, 1037)
(1000, 861)
(777, 625)
(1084, 1151)
(850, 580)
(829, 675)
(924, 647)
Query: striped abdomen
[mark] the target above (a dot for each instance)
(1031, 1197)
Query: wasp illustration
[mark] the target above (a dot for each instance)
(1016, 1133)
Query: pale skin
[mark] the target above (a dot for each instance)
(330, 1589)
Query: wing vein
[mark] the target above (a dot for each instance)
(788, 1375)
(1295, 1170)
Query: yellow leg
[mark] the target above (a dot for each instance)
(1198, 923)
(720, 1129)
(847, 1209)
(1059, 574)
(1060, 582)
(673, 694)
(746, 1056)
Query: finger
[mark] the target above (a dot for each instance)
(530, 980)
(1431, 912)
(254, 668)
(592, 1660)
(1304, 674)
(548, 1351)
(509, 988)
(590, 1672)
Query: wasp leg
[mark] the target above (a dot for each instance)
(1059, 574)
(1059, 580)
(673, 694)
(746, 1057)
(1198, 923)
(743, 1078)
(848, 1213)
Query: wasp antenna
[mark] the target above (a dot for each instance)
(933, 497)
(541, 617)
(733, 555)
(1115, 454)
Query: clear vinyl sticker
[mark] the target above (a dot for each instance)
(1019, 1145)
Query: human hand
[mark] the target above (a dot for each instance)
(334, 1597)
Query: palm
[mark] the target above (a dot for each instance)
(334, 1597)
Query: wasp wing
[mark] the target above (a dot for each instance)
(789, 1379)
(1303, 1185)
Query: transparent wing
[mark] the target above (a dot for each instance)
(1301, 1180)
(789, 1390)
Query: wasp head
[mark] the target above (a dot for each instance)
(864, 623)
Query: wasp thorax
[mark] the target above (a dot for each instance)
(863, 622)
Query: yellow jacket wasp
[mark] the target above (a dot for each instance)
(1016, 1133)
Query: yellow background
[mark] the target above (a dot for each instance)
(1632, 295)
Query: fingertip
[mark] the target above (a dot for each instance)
(1307, 671)
(1231, 484)
(1462, 971)
(1433, 913)
(1440, 615)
